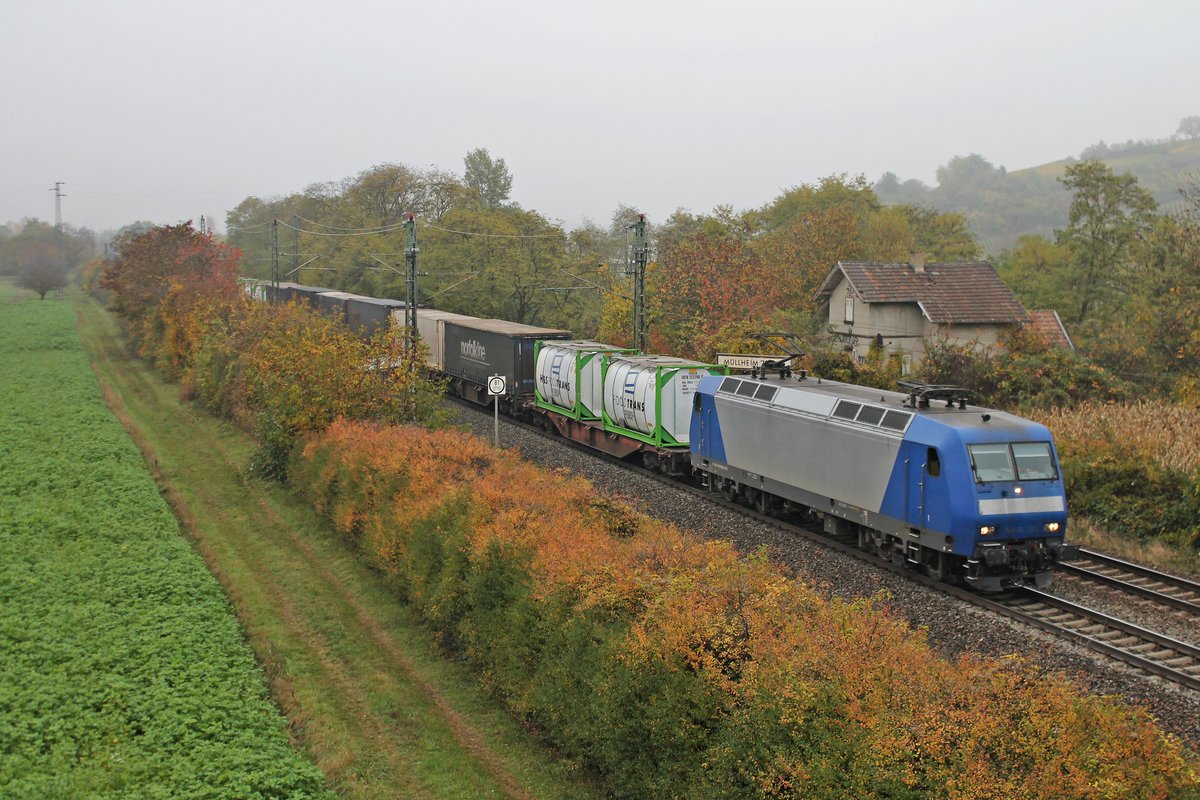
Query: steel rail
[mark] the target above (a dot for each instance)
(1182, 594)
(1172, 659)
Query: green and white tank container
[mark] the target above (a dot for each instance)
(570, 377)
(649, 398)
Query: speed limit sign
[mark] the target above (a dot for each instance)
(496, 385)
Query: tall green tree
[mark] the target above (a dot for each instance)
(1166, 328)
(1038, 272)
(1109, 214)
(487, 176)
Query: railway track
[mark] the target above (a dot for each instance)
(1117, 639)
(1132, 644)
(1135, 579)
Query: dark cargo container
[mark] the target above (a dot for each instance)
(284, 292)
(475, 351)
(367, 315)
(333, 304)
(307, 294)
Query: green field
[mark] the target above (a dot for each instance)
(123, 672)
(123, 669)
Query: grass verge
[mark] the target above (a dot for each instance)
(364, 688)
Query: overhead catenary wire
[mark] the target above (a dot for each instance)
(253, 228)
(376, 229)
(559, 235)
(361, 232)
(344, 232)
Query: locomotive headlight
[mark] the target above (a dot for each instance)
(1018, 490)
(1052, 527)
(987, 530)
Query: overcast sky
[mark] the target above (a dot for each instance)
(164, 110)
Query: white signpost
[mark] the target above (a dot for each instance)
(496, 388)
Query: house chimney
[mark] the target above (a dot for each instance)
(918, 262)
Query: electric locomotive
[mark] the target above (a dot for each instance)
(964, 493)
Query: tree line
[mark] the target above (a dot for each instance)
(711, 276)
(1119, 270)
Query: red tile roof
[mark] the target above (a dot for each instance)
(1047, 325)
(953, 292)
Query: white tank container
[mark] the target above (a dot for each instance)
(652, 395)
(570, 377)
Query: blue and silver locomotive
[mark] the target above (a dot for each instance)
(964, 493)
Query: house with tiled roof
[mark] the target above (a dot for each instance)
(904, 306)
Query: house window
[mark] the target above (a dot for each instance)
(849, 320)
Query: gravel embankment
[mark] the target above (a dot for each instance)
(954, 627)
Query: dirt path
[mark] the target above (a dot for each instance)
(366, 696)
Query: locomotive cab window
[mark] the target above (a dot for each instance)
(933, 464)
(991, 462)
(1034, 462)
(1024, 461)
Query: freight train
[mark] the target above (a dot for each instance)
(966, 494)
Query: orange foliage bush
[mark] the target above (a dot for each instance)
(283, 369)
(789, 694)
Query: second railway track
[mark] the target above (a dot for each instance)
(1163, 588)
(1115, 638)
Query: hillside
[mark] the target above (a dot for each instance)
(1161, 168)
(1001, 206)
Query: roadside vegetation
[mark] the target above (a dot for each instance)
(366, 692)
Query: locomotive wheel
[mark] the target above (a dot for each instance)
(762, 502)
(729, 490)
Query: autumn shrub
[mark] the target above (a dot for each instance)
(1021, 375)
(157, 281)
(677, 668)
(282, 370)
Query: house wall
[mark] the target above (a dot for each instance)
(903, 326)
